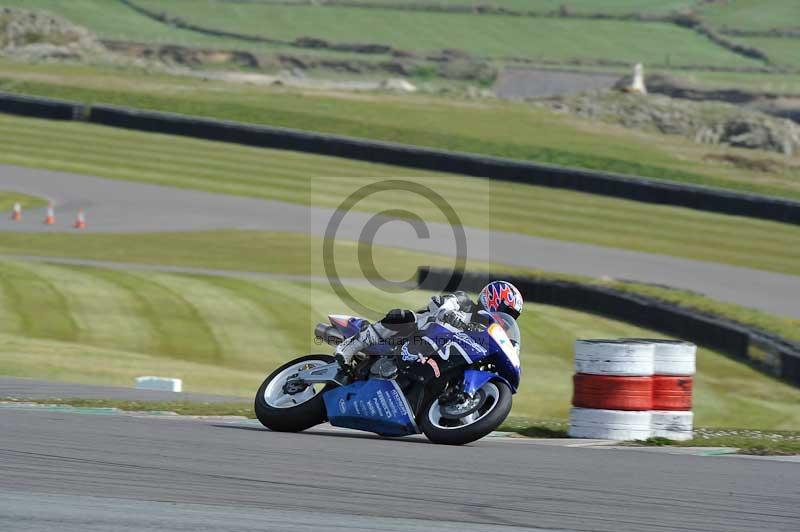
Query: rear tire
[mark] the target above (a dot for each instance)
(297, 418)
(487, 421)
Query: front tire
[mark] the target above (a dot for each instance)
(292, 413)
(467, 429)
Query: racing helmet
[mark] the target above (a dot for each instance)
(501, 296)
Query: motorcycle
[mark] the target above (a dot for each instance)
(378, 393)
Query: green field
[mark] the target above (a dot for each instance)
(491, 36)
(781, 51)
(223, 335)
(577, 6)
(308, 179)
(752, 14)
(499, 36)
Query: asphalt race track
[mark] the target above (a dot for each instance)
(120, 206)
(82, 472)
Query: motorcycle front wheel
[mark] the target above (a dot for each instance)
(490, 414)
(283, 412)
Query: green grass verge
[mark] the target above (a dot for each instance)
(309, 179)
(753, 442)
(242, 251)
(8, 199)
(550, 428)
(222, 335)
(499, 128)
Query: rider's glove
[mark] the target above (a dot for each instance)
(441, 303)
(453, 317)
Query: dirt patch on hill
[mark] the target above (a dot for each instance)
(32, 35)
(704, 122)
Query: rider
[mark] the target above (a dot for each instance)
(455, 311)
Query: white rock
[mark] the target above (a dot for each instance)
(163, 384)
(397, 84)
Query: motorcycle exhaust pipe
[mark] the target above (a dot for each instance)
(328, 334)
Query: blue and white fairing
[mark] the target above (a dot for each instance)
(379, 405)
(498, 344)
(375, 405)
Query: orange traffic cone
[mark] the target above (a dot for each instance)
(50, 219)
(80, 222)
(16, 214)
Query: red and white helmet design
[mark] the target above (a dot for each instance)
(501, 296)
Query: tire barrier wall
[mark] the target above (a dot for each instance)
(618, 396)
(16, 104)
(769, 353)
(590, 181)
(594, 182)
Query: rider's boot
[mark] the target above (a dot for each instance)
(346, 350)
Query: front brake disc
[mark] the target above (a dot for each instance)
(463, 408)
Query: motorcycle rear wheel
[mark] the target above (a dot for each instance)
(476, 425)
(292, 412)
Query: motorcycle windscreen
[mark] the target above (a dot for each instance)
(376, 405)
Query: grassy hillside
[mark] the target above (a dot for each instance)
(222, 335)
(110, 19)
(493, 36)
(307, 179)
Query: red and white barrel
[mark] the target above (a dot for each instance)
(632, 388)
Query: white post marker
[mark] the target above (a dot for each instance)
(162, 384)
(638, 85)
